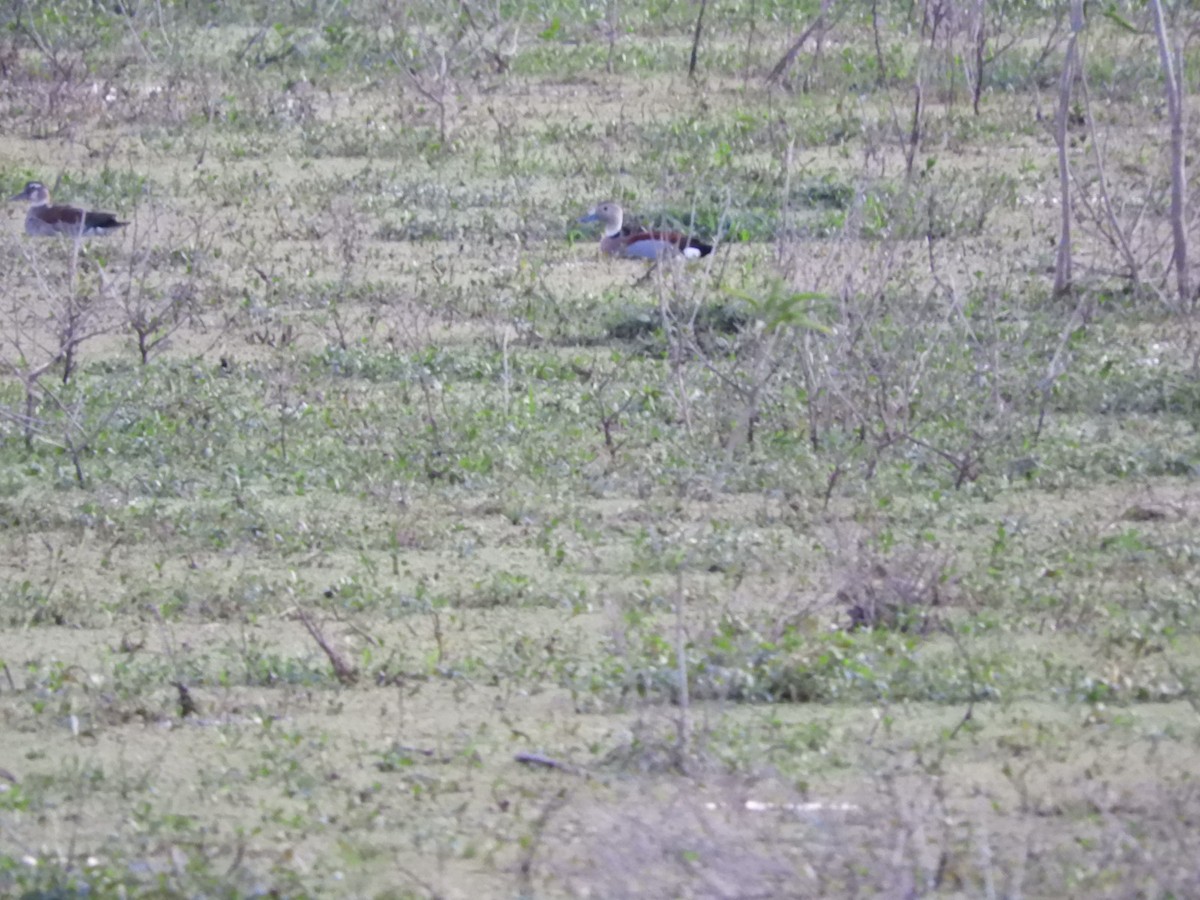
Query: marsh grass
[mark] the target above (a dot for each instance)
(845, 560)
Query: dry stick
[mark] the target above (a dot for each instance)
(549, 762)
(812, 391)
(758, 382)
(345, 672)
(788, 58)
(534, 841)
(1062, 263)
(72, 421)
(187, 704)
(29, 377)
(262, 33)
(970, 711)
(43, 47)
(438, 100)
(1173, 85)
(956, 307)
(610, 421)
(919, 371)
(434, 430)
(696, 39)
(880, 64)
(152, 321)
(786, 161)
(684, 723)
(1117, 236)
(420, 751)
(914, 132)
(675, 346)
(75, 311)
(29, 381)
(982, 61)
(1047, 47)
(749, 47)
(1056, 368)
(439, 637)
(762, 372)
(965, 469)
(611, 16)
(980, 46)
(150, 57)
(361, 632)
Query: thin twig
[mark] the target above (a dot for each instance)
(780, 69)
(696, 39)
(345, 672)
(549, 762)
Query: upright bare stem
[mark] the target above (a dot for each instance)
(612, 16)
(785, 62)
(1173, 85)
(1062, 264)
(696, 39)
(980, 39)
(1117, 237)
(684, 723)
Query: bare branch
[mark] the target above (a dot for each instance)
(780, 69)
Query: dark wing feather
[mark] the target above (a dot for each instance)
(101, 221)
(59, 215)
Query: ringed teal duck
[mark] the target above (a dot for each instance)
(639, 243)
(43, 219)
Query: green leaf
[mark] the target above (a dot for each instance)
(1110, 13)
